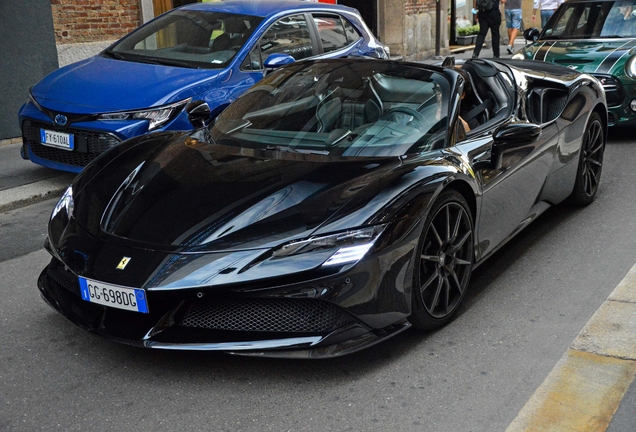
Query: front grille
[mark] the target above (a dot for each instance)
(267, 315)
(65, 279)
(614, 90)
(88, 144)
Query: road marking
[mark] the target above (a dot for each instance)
(585, 388)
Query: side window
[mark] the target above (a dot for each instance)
(290, 36)
(331, 31)
(351, 31)
(253, 61)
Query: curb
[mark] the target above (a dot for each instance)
(585, 388)
(11, 199)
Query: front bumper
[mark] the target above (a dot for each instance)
(276, 322)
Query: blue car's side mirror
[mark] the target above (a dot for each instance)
(277, 60)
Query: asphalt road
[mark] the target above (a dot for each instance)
(525, 307)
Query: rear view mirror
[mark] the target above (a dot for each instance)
(278, 60)
(510, 137)
(198, 113)
(531, 34)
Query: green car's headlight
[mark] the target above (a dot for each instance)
(518, 56)
(630, 67)
(157, 116)
(348, 246)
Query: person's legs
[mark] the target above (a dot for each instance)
(513, 31)
(481, 36)
(495, 22)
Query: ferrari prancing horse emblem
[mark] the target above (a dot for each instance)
(123, 263)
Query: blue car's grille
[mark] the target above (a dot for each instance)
(614, 90)
(88, 144)
(267, 315)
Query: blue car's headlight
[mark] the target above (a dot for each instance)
(65, 203)
(348, 246)
(157, 116)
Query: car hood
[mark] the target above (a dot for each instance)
(186, 196)
(100, 84)
(589, 56)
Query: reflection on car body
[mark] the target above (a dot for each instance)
(330, 207)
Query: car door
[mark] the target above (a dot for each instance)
(511, 190)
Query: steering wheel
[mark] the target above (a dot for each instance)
(404, 116)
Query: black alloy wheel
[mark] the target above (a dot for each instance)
(444, 262)
(588, 175)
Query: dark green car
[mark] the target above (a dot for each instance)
(596, 37)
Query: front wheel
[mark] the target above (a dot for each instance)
(444, 262)
(588, 175)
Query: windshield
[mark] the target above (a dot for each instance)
(593, 20)
(195, 39)
(341, 108)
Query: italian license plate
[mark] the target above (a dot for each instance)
(57, 139)
(132, 299)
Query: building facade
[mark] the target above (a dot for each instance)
(82, 27)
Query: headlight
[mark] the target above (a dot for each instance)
(518, 56)
(157, 116)
(349, 246)
(65, 203)
(630, 67)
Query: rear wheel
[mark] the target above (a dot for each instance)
(588, 175)
(444, 262)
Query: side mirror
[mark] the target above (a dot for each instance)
(198, 113)
(278, 60)
(531, 34)
(510, 137)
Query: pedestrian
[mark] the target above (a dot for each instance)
(489, 17)
(513, 13)
(547, 8)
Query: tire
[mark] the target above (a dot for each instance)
(444, 262)
(588, 175)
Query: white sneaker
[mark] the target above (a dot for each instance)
(510, 50)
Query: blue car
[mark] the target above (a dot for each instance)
(209, 52)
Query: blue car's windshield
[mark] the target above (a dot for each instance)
(187, 38)
(585, 20)
(341, 108)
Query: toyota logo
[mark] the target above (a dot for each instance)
(60, 120)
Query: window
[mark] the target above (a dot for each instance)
(331, 31)
(351, 31)
(290, 36)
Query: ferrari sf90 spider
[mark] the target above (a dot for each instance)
(333, 205)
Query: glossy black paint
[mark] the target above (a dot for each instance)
(186, 189)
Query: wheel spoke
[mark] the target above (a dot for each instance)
(436, 235)
(448, 229)
(458, 245)
(457, 224)
(594, 162)
(431, 258)
(430, 280)
(456, 280)
(459, 261)
(437, 293)
(593, 178)
(592, 137)
(446, 300)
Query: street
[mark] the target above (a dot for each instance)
(525, 306)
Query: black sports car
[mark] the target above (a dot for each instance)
(333, 205)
